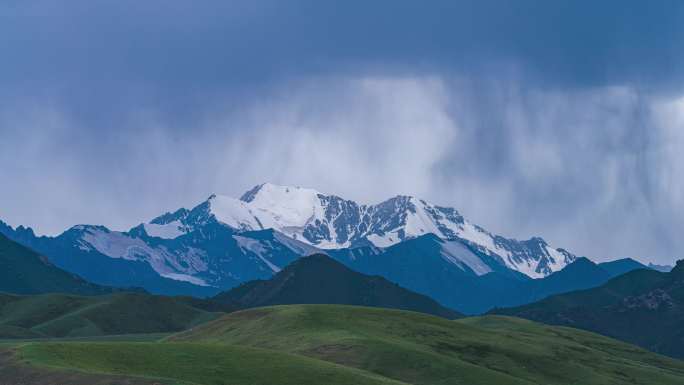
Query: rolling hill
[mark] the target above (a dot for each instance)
(422, 349)
(181, 364)
(644, 307)
(334, 344)
(319, 279)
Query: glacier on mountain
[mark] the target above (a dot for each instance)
(330, 222)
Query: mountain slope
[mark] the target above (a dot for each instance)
(622, 266)
(200, 263)
(426, 265)
(644, 307)
(318, 279)
(581, 274)
(422, 349)
(23, 271)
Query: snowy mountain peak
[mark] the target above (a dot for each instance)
(273, 192)
(293, 206)
(167, 218)
(330, 222)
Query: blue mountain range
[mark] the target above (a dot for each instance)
(223, 242)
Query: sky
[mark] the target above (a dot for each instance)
(552, 118)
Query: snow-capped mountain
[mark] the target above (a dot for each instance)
(223, 242)
(330, 222)
(202, 262)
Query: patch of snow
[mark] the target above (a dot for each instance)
(471, 233)
(457, 253)
(559, 259)
(171, 230)
(288, 210)
(250, 244)
(296, 246)
(114, 244)
(420, 222)
(84, 246)
(383, 241)
(185, 278)
(268, 263)
(256, 247)
(325, 244)
(234, 212)
(286, 207)
(527, 267)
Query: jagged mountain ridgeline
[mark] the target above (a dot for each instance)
(223, 242)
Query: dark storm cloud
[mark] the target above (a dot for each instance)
(557, 118)
(215, 44)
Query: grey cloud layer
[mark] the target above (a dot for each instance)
(560, 119)
(597, 171)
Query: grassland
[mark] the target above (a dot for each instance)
(330, 344)
(187, 363)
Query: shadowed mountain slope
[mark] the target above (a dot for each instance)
(318, 279)
(23, 271)
(644, 307)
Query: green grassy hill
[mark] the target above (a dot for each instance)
(422, 349)
(195, 364)
(62, 315)
(333, 344)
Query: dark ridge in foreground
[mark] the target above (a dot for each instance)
(318, 279)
